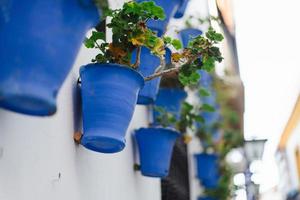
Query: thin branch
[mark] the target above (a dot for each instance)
(162, 73)
(138, 58)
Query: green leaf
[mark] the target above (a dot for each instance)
(208, 63)
(97, 36)
(199, 119)
(207, 108)
(89, 43)
(203, 92)
(176, 44)
(167, 39)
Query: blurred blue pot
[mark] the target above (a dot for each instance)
(155, 150)
(187, 34)
(208, 169)
(39, 43)
(170, 7)
(181, 10)
(149, 63)
(170, 99)
(109, 95)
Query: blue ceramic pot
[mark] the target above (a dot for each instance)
(207, 169)
(39, 42)
(155, 150)
(170, 99)
(148, 65)
(187, 34)
(170, 7)
(181, 10)
(109, 95)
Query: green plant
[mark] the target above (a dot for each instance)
(189, 117)
(232, 137)
(130, 33)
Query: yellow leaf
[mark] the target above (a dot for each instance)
(176, 57)
(138, 41)
(159, 48)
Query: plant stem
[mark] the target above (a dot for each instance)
(162, 73)
(138, 58)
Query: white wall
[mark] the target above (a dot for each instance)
(34, 151)
(40, 161)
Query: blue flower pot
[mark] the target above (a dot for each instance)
(170, 99)
(181, 10)
(170, 7)
(187, 34)
(207, 169)
(39, 42)
(148, 65)
(109, 95)
(155, 150)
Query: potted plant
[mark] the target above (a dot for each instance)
(39, 42)
(110, 84)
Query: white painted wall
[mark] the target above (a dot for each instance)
(40, 161)
(34, 151)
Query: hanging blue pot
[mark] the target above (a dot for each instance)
(181, 10)
(187, 34)
(170, 7)
(39, 42)
(148, 65)
(155, 150)
(109, 95)
(170, 99)
(207, 169)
